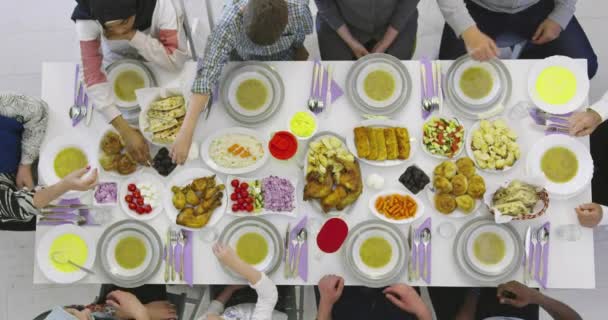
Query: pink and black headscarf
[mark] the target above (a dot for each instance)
(109, 10)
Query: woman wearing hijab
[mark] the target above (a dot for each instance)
(150, 30)
(351, 29)
(22, 128)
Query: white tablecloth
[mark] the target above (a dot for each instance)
(571, 264)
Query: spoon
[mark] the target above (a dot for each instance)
(59, 257)
(426, 239)
(301, 238)
(542, 236)
(76, 112)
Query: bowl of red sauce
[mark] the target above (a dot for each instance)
(283, 145)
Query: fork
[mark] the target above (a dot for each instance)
(172, 243)
(181, 241)
(435, 98)
(557, 129)
(79, 220)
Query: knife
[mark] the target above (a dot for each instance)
(410, 263)
(527, 255)
(287, 264)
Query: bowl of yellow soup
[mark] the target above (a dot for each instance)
(379, 85)
(255, 241)
(490, 249)
(127, 76)
(477, 83)
(375, 252)
(250, 94)
(130, 252)
(62, 155)
(69, 242)
(563, 163)
(558, 84)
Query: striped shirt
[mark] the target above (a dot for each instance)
(229, 37)
(15, 205)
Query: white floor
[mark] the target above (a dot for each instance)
(37, 31)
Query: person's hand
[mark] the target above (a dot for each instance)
(79, 182)
(301, 54)
(161, 310)
(358, 49)
(330, 288)
(479, 45)
(120, 30)
(517, 294)
(589, 215)
(547, 31)
(24, 177)
(181, 146)
(136, 145)
(80, 315)
(407, 299)
(127, 305)
(380, 47)
(226, 255)
(584, 123)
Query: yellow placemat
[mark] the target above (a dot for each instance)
(556, 85)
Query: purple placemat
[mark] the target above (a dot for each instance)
(69, 214)
(188, 267)
(303, 266)
(424, 254)
(545, 258)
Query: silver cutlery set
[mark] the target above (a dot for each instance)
(292, 257)
(64, 214)
(320, 100)
(535, 267)
(432, 91)
(175, 239)
(415, 239)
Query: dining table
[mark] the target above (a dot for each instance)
(571, 263)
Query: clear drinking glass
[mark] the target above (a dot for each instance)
(569, 232)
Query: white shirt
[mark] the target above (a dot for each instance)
(601, 107)
(262, 310)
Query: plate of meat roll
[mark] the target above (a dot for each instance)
(381, 142)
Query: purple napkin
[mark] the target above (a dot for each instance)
(188, 277)
(426, 82)
(545, 258)
(303, 267)
(68, 214)
(321, 92)
(422, 254)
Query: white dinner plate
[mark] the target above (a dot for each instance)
(51, 148)
(582, 83)
(503, 264)
(206, 145)
(585, 165)
(142, 178)
(181, 178)
(419, 209)
(384, 123)
(469, 145)
(44, 249)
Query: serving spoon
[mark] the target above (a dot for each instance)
(60, 258)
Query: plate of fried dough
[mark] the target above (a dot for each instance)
(381, 142)
(113, 156)
(457, 190)
(162, 114)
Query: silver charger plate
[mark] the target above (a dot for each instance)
(266, 71)
(393, 235)
(462, 260)
(485, 110)
(240, 226)
(360, 65)
(134, 227)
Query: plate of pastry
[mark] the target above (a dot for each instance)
(381, 142)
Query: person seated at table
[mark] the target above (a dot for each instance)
(510, 301)
(263, 30)
(147, 302)
(150, 30)
(351, 29)
(584, 123)
(23, 123)
(549, 25)
(264, 287)
(398, 301)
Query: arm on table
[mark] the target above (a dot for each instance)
(73, 181)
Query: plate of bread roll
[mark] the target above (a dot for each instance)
(381, 142)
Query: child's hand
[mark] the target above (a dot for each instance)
(330, 288)
(407, 299)
(226, 255)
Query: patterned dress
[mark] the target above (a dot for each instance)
(16, 206)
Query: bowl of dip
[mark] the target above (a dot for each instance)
(283, 145)
(303, 125)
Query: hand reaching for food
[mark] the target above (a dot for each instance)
(181, 146)
(79, 182)
(228, 257)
